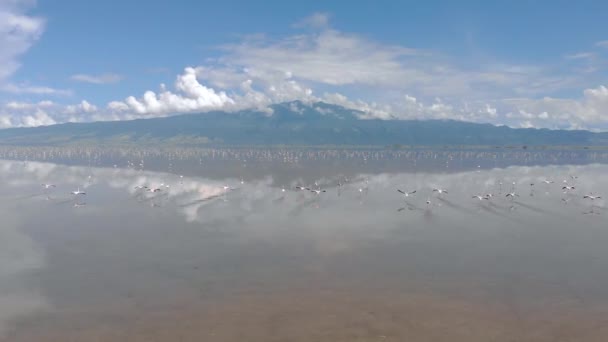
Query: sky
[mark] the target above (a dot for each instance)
(540, 64)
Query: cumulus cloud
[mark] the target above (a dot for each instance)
(189, 96)
(410, 108)
(37, 117)
(44, 113)
(97, 79)
(83, 107)
(588, 112)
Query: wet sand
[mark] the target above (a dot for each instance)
(330, 315)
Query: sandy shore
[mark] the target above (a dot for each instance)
(327, 315)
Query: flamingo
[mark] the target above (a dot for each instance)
(406, 193)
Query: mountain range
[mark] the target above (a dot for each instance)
(292, 123)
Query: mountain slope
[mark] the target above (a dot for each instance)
(292, 123)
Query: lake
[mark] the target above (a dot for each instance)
(228, 249)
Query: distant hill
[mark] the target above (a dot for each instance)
(292, 123)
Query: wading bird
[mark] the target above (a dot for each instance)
(405, 193)
(512, 195)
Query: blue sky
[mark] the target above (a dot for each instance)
(519, 63)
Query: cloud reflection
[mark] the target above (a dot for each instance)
(19, 257)
(262, 205)
(352, 215)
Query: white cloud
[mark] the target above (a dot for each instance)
(190, 96)
(39, 118)
(18, 32)
(33, 118)
(370, 110)
(580, 55)
(602, 43)
(36, 90)
(329, 57)
(82, 108)
(317, 20)
(97, 79)
(588, 112)
(43, 113)
(14, 105)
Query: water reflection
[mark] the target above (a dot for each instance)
(125, 248)
(19, 258)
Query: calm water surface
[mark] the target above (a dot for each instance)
(359, 262)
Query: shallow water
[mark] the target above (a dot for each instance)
(359, 262)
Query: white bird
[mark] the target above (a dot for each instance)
(227, 188)
(512, 195)
(318, 191)
(568, 187)
(366, 187)
(140, 187)
(48, 186)
(440, 191)
(78, 192)
(489, 196)
(406, 194)
(480, 197)
(546, 181)
(592, 197)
